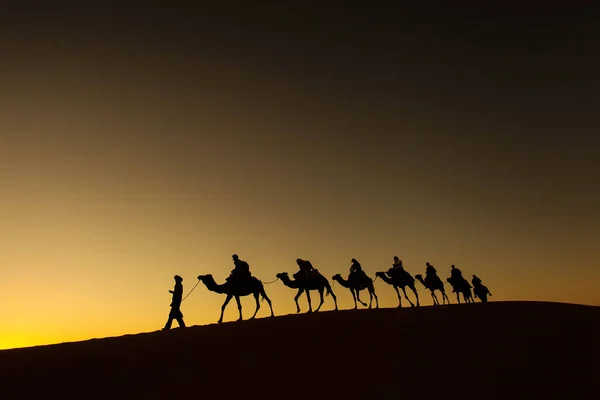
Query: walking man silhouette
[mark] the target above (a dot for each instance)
(175, 313)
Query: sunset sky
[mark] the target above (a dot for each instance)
(136, 144)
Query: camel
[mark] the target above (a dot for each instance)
(463, 287)
(481, 291)
(398, 280)
(434, 285)
(355, 290)
(239, 289)
(319, 283)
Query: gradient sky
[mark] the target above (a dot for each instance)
(140, 143)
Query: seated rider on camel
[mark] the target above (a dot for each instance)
(456, 278)
(397, 271)
(306, 271)
(396, 266)
(241, 270)
(431, 274)
(357, 275)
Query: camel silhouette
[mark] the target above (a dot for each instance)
(481, 291)
(463, 287)
(319, 283)
(356, 288)
(237, 289)
(400, 281)
(433, 285)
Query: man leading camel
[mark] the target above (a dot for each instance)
(176, 313)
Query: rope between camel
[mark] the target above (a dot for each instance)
(191, 290)
(268, 283)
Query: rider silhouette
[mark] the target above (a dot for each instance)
(356, 272)
(397, 265)
(480, 290)
(305, 269)
(241, 269)
(430, 270)
(455, 277)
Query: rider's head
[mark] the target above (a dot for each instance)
(453, 266)
(235, 256)
(396, 258)
(298, 261)
(353, 260)
(178, 278)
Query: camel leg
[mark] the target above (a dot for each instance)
(435, 299)
(414, 289)
(354, 298)
(257, 305)
(330, 292)
(239, 304)
(227, 300)
(404, 291)
(359, 300)
(445, 297)
(458, 297)
(320, 290)
(399, 298)
(265, 297)
(296, 299)
(370, 297)
(307, 291)
(375, 295)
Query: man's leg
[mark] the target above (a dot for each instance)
(168, 324)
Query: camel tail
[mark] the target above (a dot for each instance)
(263, 295)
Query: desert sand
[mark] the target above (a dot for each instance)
(498, 350)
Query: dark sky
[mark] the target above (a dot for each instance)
(137, 137)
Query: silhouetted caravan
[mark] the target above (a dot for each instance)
(433, 283)
(480, 291)
(357, 281)
(398, 277)
(460, 285)
(240, 283)
(176, 313)
(305, 280)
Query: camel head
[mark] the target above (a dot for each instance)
(418, 276)
(202, 277)
(336, 277)
(380, 274)
(281, 275)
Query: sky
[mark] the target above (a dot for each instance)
(137, 143)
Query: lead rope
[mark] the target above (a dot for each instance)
(191, 290)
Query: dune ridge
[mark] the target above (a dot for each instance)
(498, 350)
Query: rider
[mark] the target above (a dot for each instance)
(305, 269)
(476, 281)
(430, 270)
(397, 265)
(455, 277)
(356, 272)
(241, 270)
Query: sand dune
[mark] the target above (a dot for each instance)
(499, 350)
